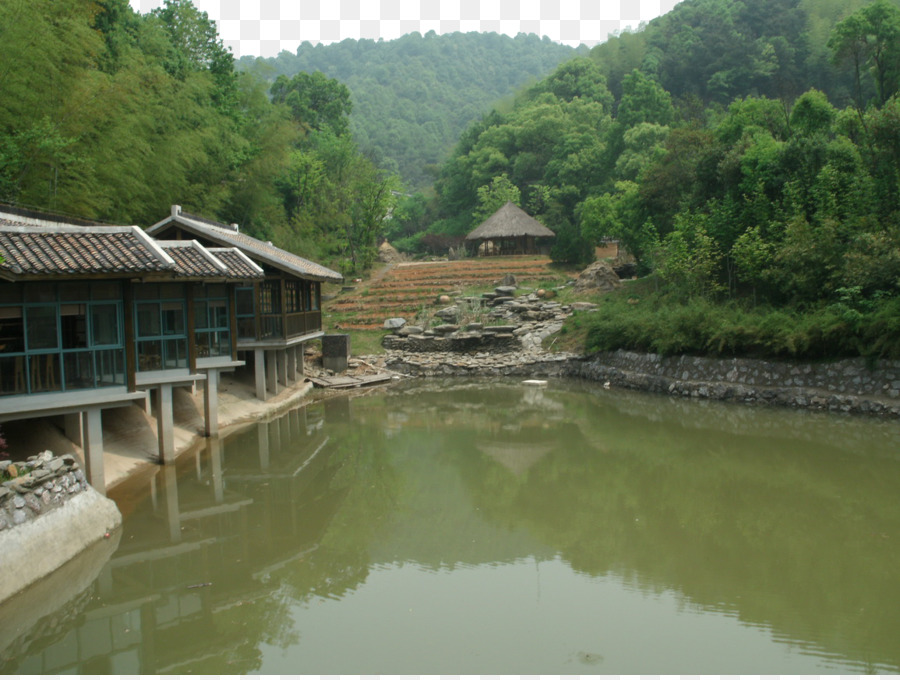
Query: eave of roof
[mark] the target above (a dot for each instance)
(259, 250)
(30, 250)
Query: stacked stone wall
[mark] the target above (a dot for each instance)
(39, 484)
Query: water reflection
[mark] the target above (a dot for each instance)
(493, 527)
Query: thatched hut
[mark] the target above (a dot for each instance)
(510, 231)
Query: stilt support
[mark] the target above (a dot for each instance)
(93, 449)
(211, 403)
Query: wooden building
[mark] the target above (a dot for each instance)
(510, 231)
(276, 314)
(95, 317)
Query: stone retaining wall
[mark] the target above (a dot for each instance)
(39, 484)
(848, 385)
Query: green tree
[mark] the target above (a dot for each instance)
(315, 101)
(493, 196)
(870, 38)
(644, 101)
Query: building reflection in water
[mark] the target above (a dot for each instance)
(191, 547)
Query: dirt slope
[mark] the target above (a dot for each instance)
(404, 289)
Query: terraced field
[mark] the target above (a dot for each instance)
(405, 289)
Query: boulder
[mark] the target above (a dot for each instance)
(509, 280)
(448, 314)
(394, 323)
(600, 276)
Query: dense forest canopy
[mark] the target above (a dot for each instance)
(112, 115)
(413, 96)
(731, 146)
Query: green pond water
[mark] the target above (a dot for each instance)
(490, 527)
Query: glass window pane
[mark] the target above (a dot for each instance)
(148, 319)
(149, 355)
(176, 353)
(203, 344)
(41, 324)
(44, 372)
(173, 318)
(201, 320)
(12, 330)
(244, 301)
(79, 370)
(105, 320)
(12, 375)
(218, 314)
(73, 321)
(110, 367)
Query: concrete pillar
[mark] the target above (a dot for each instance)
(165, 423)
(259, 372)
(262, 431)
(72, 426)
(291, 368)
(93, 449)
(211, 403)
(271, 377)
(282, 367)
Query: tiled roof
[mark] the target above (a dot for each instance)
(69, 250)
(257, 250)
(239, 265)
(193, 260)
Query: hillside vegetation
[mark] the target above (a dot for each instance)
(412, 97)
(747, 154)
(111, 115)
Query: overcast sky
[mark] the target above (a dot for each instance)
(265, 27)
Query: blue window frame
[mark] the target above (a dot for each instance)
(212, 329)
(160, 326)
(60, 337)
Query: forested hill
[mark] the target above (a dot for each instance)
(740, 150)
(412, 97)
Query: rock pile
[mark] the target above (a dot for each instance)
(505, 322)
(36, 485)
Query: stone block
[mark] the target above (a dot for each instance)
(336, 352)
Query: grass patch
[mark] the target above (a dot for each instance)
(639, 319)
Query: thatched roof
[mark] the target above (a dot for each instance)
(510, 221)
